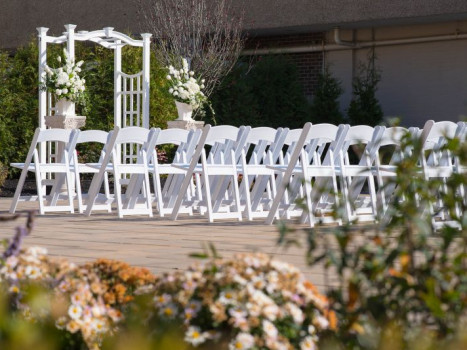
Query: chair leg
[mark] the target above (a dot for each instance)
(69, 185)
(237, 196)
(19, 188)
(118, 194)
(207, 190)
(79, 195)
(246, 188)
(148, 194)
(107, 191)
(40, 192)
(158, 193)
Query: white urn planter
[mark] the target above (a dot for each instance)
(185, 111)
(65, 108)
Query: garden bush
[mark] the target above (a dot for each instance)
(19, 92)
(325, 107)
(400, 284)
(266, 93)
(364, 107)
(3, 173)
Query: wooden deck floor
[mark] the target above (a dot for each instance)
(157, 243)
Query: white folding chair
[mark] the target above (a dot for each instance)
(218, 172)
(311, 172)
(359, 139)
(264, 189)
(288, 207)
(320, 169)
(96, 137)
(258, 186)
(436, 163)
(64, 142)
(389, 138)
(285, 169)
(142, 141)
(165, 196)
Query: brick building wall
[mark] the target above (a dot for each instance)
(309, 64)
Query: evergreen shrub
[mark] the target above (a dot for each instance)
(364, 107)
(266, 93)
(325, 106)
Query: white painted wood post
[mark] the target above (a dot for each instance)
(42, 94)
(70, 44)
(118, 90)
(118, 84)
(146, 82)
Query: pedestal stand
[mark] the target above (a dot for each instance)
(185, 124)
(64, 122)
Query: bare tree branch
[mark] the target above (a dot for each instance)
(208, 33)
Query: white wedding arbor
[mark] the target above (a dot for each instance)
(131, 92)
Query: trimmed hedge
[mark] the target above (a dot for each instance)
(267, 93)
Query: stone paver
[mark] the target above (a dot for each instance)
(157, 243)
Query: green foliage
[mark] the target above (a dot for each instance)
(265, 94)
(18, 102)
(325, 105)
(401, 281)
(3, 173)
(365, 107)
(19, 92)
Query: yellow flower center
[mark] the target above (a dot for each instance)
(168, 311)
(195, 335)
(238, 345)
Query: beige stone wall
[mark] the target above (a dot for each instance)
(419, 81)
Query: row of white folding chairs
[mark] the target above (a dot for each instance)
(305, 165)
(219, 169)
(66, 168)
(316, 152)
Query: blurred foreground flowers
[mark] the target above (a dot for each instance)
(248, 302)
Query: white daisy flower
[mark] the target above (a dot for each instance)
(75, 312)
(194, 336)
(308, 344)
(269, 329)
(242, 341)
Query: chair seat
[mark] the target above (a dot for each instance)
(49, 167)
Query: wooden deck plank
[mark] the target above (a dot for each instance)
(157, 243)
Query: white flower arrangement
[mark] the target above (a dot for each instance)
(184, 87)
(65, 82)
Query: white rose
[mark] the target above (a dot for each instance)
(62, 78)
(171, 90)
(169, 77)
(58, 92)
(65, 91)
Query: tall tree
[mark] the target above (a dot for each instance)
(208, 33)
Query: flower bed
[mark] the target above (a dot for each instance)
(249, 302)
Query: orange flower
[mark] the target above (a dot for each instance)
(332, 318)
